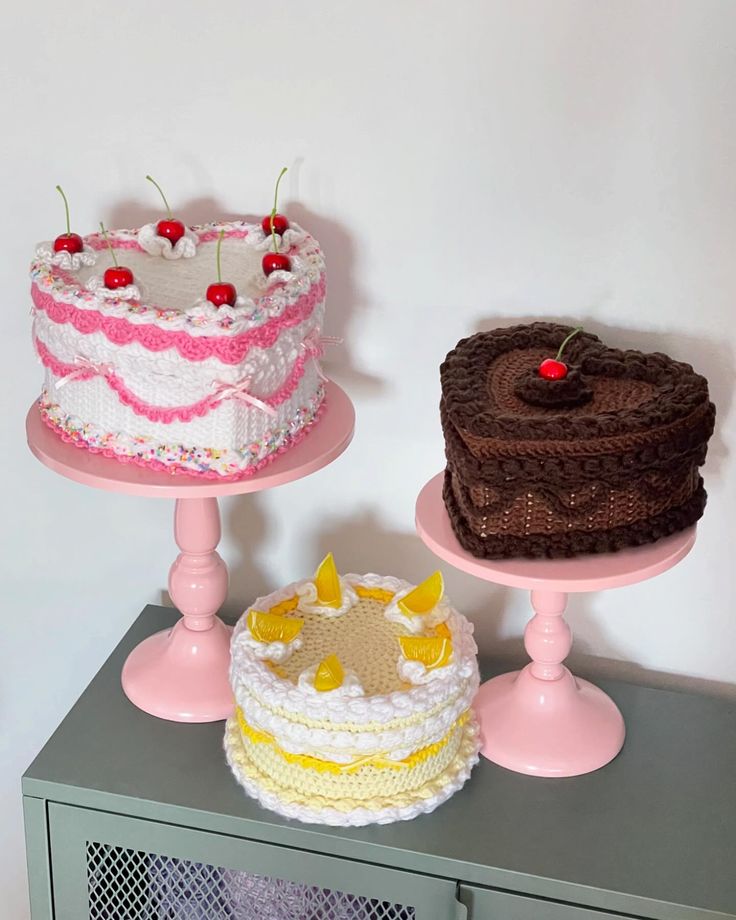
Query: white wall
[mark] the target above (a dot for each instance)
(463, 164)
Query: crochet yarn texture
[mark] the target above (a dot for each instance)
(386, 737)
(158, 376)
(605, 458)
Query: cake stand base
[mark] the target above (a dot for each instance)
(542, 720)
(561, 727)
(182, 675)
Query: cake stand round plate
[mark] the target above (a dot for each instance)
(181, 674)
(328, 439)
(542, 720)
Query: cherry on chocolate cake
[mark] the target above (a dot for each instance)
(554, 368)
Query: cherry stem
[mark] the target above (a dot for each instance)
(60, 190)
(276, 191)
(219, 244)
(161, 193)
(566, 340)
(275, 207)
(109, 245)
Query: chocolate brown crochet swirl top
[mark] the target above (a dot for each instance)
(608, 457)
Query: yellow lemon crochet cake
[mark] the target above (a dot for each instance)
(353, 699)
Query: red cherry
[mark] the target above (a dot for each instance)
(280, 224)
(276, 262)
(117, 276)
(171, 229)
(552, 369)
(222, 292)
(68, 242)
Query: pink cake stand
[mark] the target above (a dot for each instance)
(181, 674)
(542, 720)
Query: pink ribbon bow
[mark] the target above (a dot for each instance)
(84, 368)
(314, 346)
(239, 391)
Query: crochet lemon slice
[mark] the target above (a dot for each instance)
(330, 674)
(443, 630)
(270, 627)
(432, 651)
(425, 597)
(327, 583)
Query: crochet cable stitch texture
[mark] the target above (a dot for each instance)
(603, 459)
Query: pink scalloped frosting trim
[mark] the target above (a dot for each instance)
(175, 468)
(228, 349)
(168, 414)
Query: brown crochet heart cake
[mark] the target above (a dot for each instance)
(553, 458)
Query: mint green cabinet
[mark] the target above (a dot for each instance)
(487, 904)
(129, 817)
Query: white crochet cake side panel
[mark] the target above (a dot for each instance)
(167, 378)
(231, 423)
(203, 460)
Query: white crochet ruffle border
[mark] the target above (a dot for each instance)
(280, 290)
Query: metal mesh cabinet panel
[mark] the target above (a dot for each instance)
(108, 866)
(127, 884)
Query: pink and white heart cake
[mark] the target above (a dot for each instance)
(141, 366)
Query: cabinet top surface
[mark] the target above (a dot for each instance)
(658, 824)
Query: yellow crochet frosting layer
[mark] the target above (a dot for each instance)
(316, 808)
(366, 777)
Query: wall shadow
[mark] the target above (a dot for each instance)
(247, 528)
(363, 543)
(345, 301)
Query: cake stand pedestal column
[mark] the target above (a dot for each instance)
(543, 720)
(181, 674)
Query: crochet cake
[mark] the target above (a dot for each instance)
(151, 363)
(550, 458)
(353, 699)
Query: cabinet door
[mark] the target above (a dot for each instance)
(486, 904)
(111, 867)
